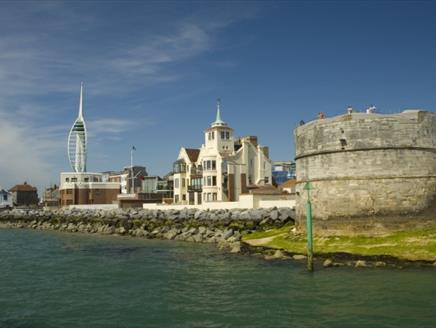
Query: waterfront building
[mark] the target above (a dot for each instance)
(289, 186)
(87, 188)
(130, 178)
(222, 169)
(24, 195)
(51, 197)
(283, 171)
(161, 188)
(81, 187)
(5, 199)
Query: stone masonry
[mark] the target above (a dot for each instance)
(368, 170)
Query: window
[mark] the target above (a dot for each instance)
(214, 181)
(5, 197)
(227, 135)
(196, 183)
(67, 179)
(209, 180)
(266, 180)
(223, 135)
(183, 197)
(183, 183)
(176, 198)
(86, 179)
(213, 135)
(208, 165)
(176, 183)
(213, 165)
(73, 179)
(214, 196)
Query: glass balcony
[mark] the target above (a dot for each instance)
(179, 166)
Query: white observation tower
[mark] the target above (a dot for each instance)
(77, 140)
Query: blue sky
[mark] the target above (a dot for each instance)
(153, 70)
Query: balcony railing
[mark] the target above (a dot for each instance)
(195, 188)
(196, 171)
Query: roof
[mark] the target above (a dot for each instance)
(264, 190)
(288, 183)
(192, 154)
(22, 187)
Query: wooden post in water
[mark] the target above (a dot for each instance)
(308, 187)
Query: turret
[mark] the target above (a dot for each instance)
(219, 135)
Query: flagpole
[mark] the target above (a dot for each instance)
(132, 188)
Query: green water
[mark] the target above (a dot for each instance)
(51, 279)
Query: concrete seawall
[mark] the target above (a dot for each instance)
(224, 227)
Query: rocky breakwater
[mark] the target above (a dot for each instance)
(223, 227)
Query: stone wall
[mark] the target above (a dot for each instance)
(368, 170)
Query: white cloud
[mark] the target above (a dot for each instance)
(109, 126)
(22, 155)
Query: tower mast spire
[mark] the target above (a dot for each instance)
(218, 120)
(81, 101)
(218, 110)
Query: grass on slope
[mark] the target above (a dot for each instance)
(419, 244)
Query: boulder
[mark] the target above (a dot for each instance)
(278, 254)
(286, 213)
(170, 234)
(360, 264)
(256, 214)
(197, 238)
(227, 234)
(274, 215)
(235, 247)
(299, 257)
(327, 263)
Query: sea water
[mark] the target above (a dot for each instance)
(52, 279)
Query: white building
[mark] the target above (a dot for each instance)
(5, 198)
(222, 169)
(82, 188)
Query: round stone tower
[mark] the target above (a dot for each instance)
(368, 170)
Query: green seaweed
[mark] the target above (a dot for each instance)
(414, 244)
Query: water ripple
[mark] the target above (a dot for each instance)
(52, 279)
